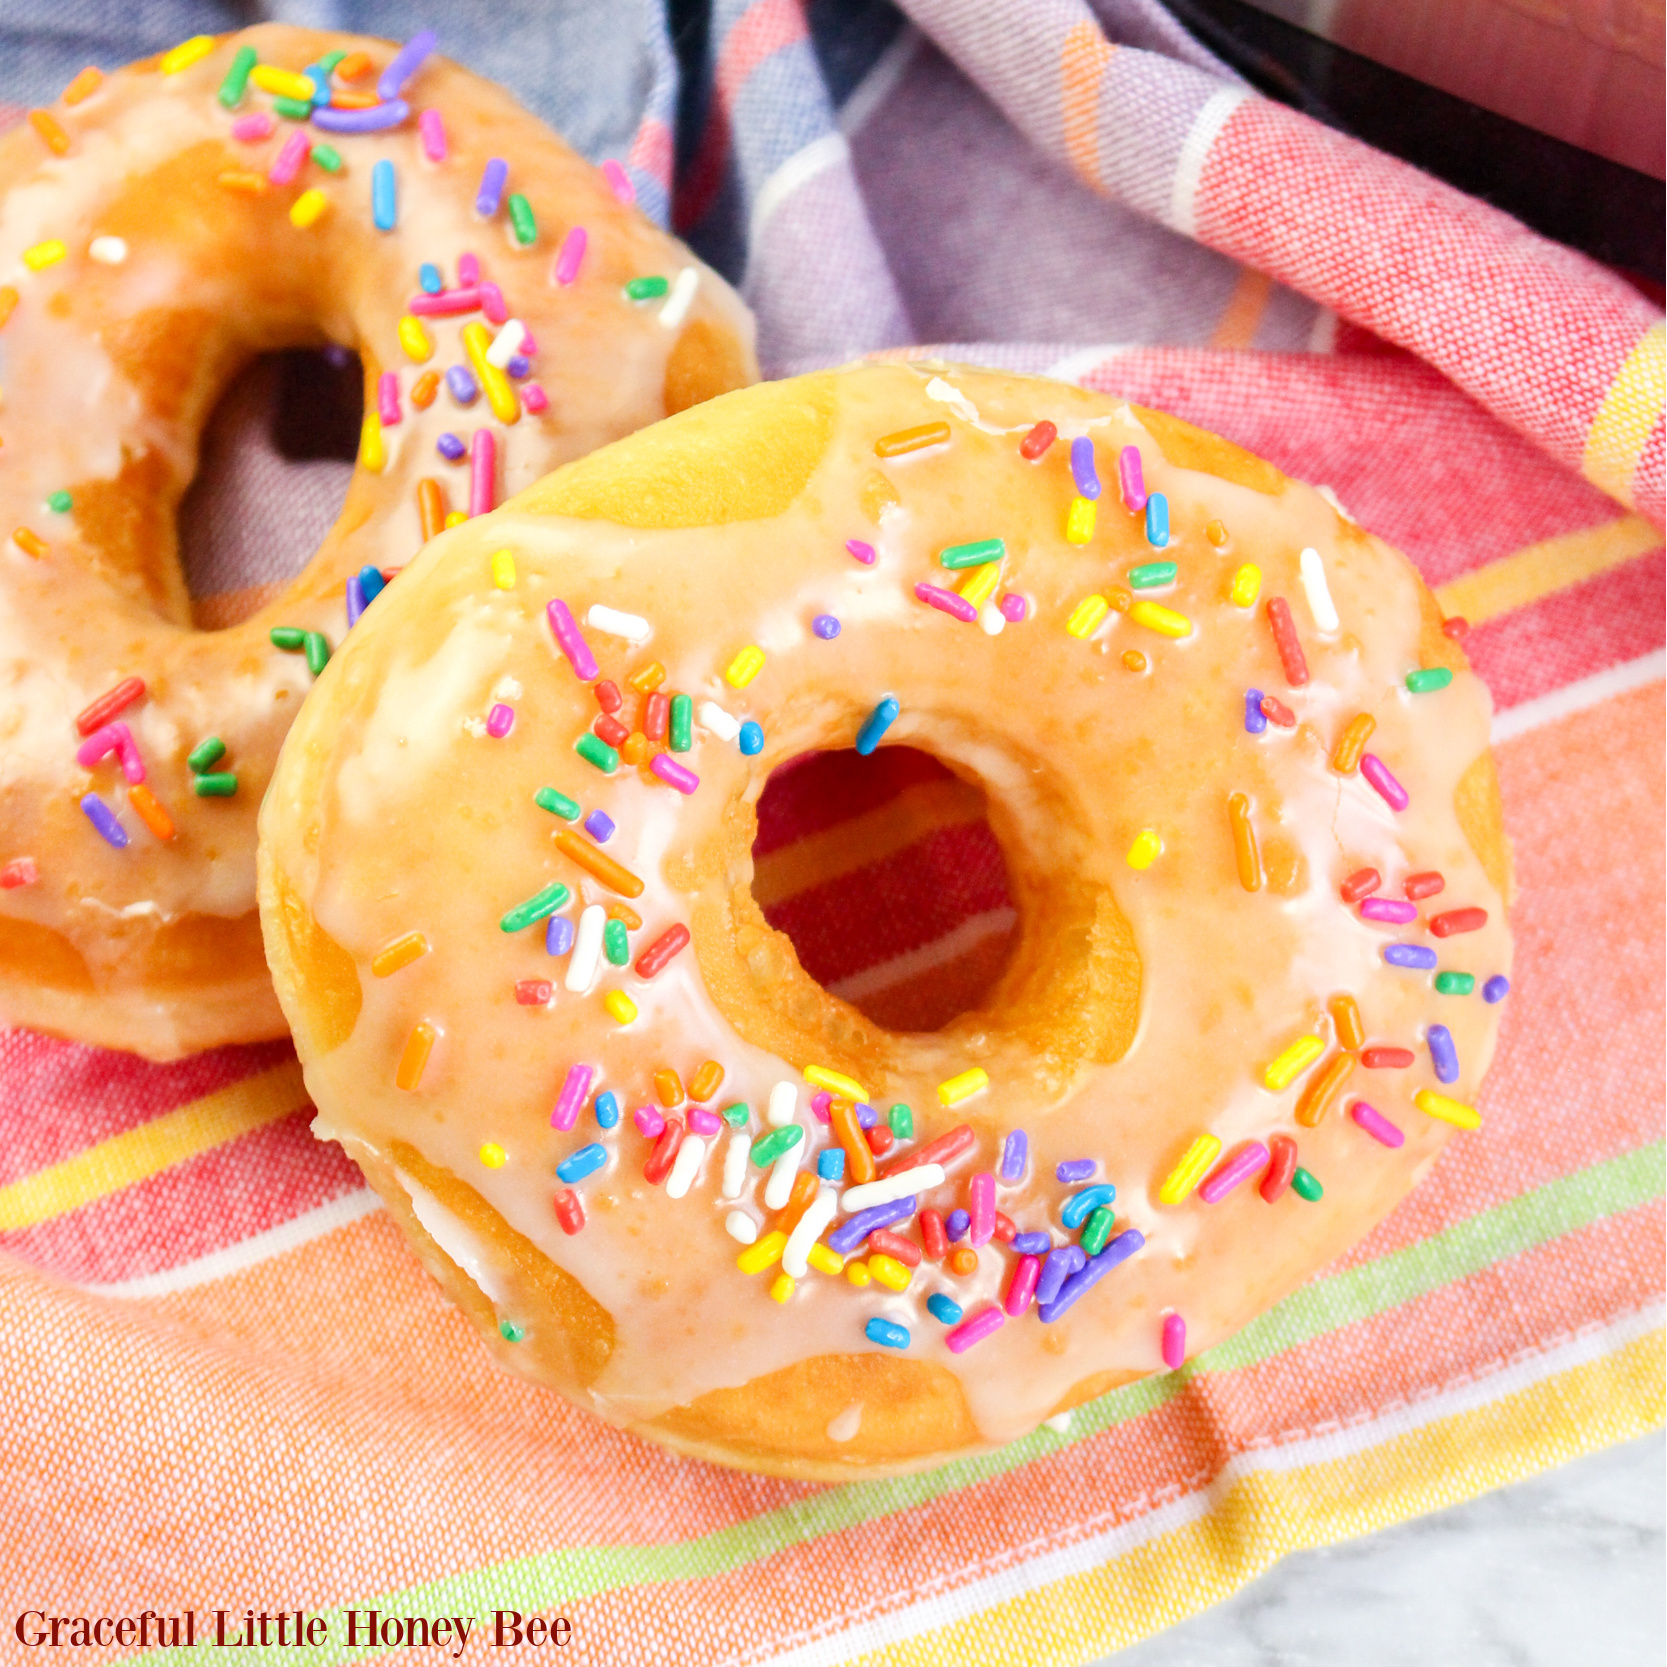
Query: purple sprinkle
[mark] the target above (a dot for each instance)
(1255, 719)
(520, 367)
(946, 601)
(431, 125)
(1133, 479)
(570, 640)
(1496, 988)
(572, 253)
(1014, 609)
(102, 818)
(491, 191)
(651, 1123)
(1015, 1151)
(1443, 1054)
(600, 826)
(863, 552)
(1410, 955)
(1388, 908)
(1376, 1124)
(572, 1096)
(956, 1224)
(1074, 1170)
(1119, 1250)
(850, 1233)
(403, 65)
(558, 935)
(1082, 467)
(500, 721)
(1059, 1266)
(825, 626)
(1032, 1244)
(374, 120)
(461, 385)
(450, 448)
(355, 600)
(1377, 773)
(867, 1116)
(672, 773)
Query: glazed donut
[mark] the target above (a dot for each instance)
(1242, 783)
(159, 229)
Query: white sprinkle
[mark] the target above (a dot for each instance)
(779, 1187)
(1059, 1423)
(108, 251)
(507, 688)
(714, 718)
(506, 344)
(992, 619)
(735, 1164)
(587, 949)
(474, 726)
(784, 1101)
(682, 297)
(795, 1254)
(690, 1155)
(632, 627)
(845, 1425)
(741, 1227)
(1314, 583)
(904, 1184)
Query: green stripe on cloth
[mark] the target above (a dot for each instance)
(535, 1583)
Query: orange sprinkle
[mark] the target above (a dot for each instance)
(84, 85)
(668, 1087)
(1244, 842)
(597, 862)
(431, 506)
(963, 1261)
(242, 179)
(859, 1155)
(400, 953)
(149, 810)
(1120, 599)
(646, 681)
(634, 748)
(1345, 760)
(706, 1081)
(31, 544)
(798, 1200)
(355, 66)
(1216, 533)
(8, 300)
(1345, 1015)
(418, 1045)
(1322, 1089)
(354, 101)
(624, 912)
(1134, 660)
(911, 439)
(52, 136)
(424, 389)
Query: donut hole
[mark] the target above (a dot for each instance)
(274, 464)
(887, 878)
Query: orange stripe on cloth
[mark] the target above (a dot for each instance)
(1237, 326)
(1630, 410)
(1083, 60)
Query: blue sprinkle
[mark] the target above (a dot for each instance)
(1496, 988)
(1074, 1170)
(384, 198)
(461, 385)
(558, 935)
(428, 275)
(830, 1164)
(1119, 1250)
(1032, 1244)
(867, 1116)
(1082, 468)
(886, 1334)
(491, 187)
(944, 1308)
(1015, 1151)
(1080, 1206)
(371, 583)
(355, 599)
(519, 366)
(103, 818)
(825, 626)
(321, 83)
(956, 1224)
(752, 738)
(1157, 521)
(876, 724)
(586, 1161)
(1255, 719)
(607, 1111)
(1443, 1054)
(450, 447)
(1410, 955)
(600, 826)
(1059, 1267)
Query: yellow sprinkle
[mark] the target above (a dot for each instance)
(1190, 1170)
(757, 1257)
(1247, 586)
(781, 1287)
(963, 1087)
(503, 569)
(890, 1272)
(400, 953)
(847, 1088)
(1079, 521)
(500, 391)
(1147, 848)
(1165, 621)
(371, 453)
(414, 339)
(493, 1155)
(823, 1259)
(306, 208)
(981, 584)
(1293, 1062)
(745, 666)
(858, 1274)
(286, 83)
(41, 255)
(417, 1048)
(1455, 1112)
(620, 1006)
(455, 518)
(1086, 616)
(189, 52)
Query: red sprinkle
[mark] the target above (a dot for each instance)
(611, 730)
(20, 871)
(1037, 441)
(664, 947)
(607, 696)
(1286, 641)
(569, 1211)
(1424, 885)
(932, 1235)
(1386, 1059)
(533, 992)
(880, 1139)
(664, 1154)
(1458, 920)
(1282, 1165)
(881, 1242)
(941, 1150)
(656, 716)
(108, 705)
(1277, 712)
(1362, 883)
(1457, 628)
(1005, 1232)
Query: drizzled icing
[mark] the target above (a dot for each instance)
(387, 818)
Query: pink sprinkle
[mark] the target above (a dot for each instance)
(819, 1103)
(1377, 773)
(702, 1121)
(619, 182)
(20, 871)
(483, 474)
(127, 751)
(468, 268)
(1134, 482)
(251, 129)
(493, 305)
(982, 1208)
(570, 256)
(113, 738)
(962, 1337)
(572, 1096)
(571, 640)
(1174, 1341)
(1022, 1287)
(387, 398)
(529, 343)
(651, 1122)
(672, 773)
(1014, 609)
(1376, 1124)
(534, 398)
(1240, 1167)
(500, 721)
(288, 161)
(1386, 908)
(946, 601)
(863, 552)
(447, 302)
(433, 130)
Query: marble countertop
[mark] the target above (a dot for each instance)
(1567, 1568)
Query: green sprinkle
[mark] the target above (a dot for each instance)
(214, 786)
(318, 651)
(511, 1332)
(558, 804)
(327, 64)
(1431, 678)
(287, 636)
(682, 735)
(237, 78)
(522, 225)
(328, 158)
(615, 944)
(977, 554)
(645, 289)
(1098, 1230)
(59, 503)
(205, 755)
(594, 750)
(540, 907)
(1455, 983)
(1150, 574)
(292, 109)
(1305, 1186)
(768, 1147)
(902, 1122)
(736, 1116)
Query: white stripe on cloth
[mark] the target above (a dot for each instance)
(1577, 697)
(1195, 152)
(938, 953)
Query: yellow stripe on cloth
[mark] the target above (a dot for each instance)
(196, 1127)
(1542, 569)
(1082, 70)
(1630, 409)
